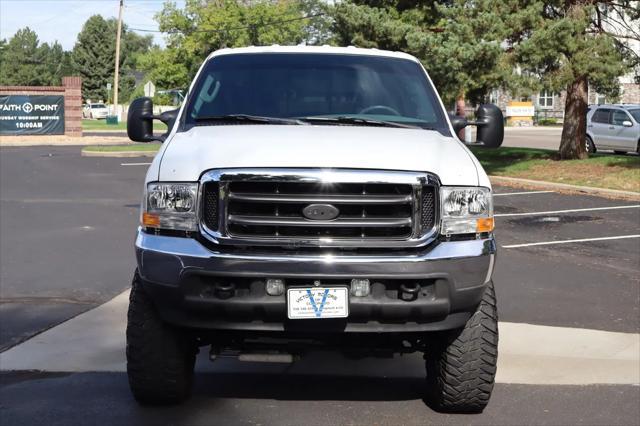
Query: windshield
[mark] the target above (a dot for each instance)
(316, 85)
(96, 106)
(636, 114)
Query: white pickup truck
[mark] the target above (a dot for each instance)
(314, 197)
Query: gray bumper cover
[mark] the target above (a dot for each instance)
(461, 270)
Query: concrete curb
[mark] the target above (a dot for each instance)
(564, 187)
(523, 128)
(120, 154)
(11, 142)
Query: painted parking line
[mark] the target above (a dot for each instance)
(591, 209)
(580, 240)
(504, 194)
(135, 164)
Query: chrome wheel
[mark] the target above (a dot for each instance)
(589, 145)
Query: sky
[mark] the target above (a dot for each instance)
(62, 20)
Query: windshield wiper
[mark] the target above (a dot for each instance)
(257, 119)
(358, 121)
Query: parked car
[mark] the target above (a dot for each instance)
(613, 127)
(95, 111)
(310, 197)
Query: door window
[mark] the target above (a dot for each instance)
(619, 117)
(601, 116)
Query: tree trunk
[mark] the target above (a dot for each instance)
(574, 130)
(460, 111)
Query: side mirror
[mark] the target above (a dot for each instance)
(458, 123)
(140, 120)
(168, 118)
(490, 123)
(627, 123)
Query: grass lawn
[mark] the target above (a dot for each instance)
(102, 125)
(144, 147)
(599, 170)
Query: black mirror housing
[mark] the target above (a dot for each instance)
(458, 123)
(169, 118)
(140, 120)
(490, 124)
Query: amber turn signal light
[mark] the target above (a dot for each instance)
(151, 220)
(484, 224)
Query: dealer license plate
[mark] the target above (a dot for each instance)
(318, 302)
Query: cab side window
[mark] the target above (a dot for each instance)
(601, 116)
(619, 117)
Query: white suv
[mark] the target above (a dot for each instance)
(95, 111)
(614, 127)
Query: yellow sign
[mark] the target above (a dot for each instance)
(520, 113)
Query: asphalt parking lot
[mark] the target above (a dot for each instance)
(570, 263)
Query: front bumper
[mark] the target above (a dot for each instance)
(180, 274)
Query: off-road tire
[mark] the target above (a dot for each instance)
(160, 358)
(461, 366)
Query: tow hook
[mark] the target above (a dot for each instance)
(409, 292)
(224, 290)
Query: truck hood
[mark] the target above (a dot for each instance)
(186, 155)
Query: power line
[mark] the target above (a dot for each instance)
(248, 27)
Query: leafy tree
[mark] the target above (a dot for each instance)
(571, 44)
(165, 67)
(132, 45)
(93, 57)
(202, 27)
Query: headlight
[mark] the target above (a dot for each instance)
(171, 206)
(466, 210)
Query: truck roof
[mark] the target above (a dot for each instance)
(350, 50)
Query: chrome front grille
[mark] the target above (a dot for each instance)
(375, 209)
(275, 209)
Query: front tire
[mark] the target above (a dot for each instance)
(461, 367)
(160, 358)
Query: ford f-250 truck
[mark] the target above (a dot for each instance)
(314, 197)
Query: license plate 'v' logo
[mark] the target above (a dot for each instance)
(318, 309)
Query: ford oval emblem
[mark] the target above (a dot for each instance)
(320, 212)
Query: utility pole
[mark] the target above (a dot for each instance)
(116, 77)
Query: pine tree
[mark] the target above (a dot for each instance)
(459, 43)
(570, 45)
(93, 57)
(20, 60)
